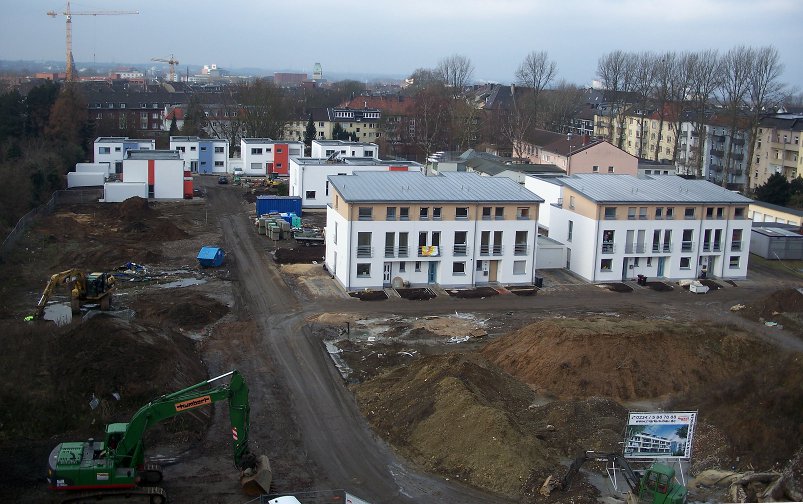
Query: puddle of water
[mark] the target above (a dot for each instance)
(60, 313)
(184, 282)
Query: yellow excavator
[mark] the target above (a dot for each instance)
(83, 288)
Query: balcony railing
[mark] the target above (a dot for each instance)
(686, 246)
(403, 252)
(608, 247)
(666, 248)
(717, 247)
(460, 250)
(717, 152)
(520, 249)
(496, 250)
(736, 246)
(485, 250)
(706, 246)
(365, 251)
(429, 251)
(390, 251)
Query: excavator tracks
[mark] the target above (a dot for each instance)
(145, 495)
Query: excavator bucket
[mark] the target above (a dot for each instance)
(257, 480)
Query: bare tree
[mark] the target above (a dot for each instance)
(226, 118)
(455, 72)
(264, 112)
(536, 72)
(431, 114)
(705, 77)
(679, 96)
(560, 105)
(765, 91)
(617, 70)
(737, 67)
(516, 122)
(644, 75)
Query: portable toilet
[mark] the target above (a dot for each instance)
(211, 257)
(187, 184)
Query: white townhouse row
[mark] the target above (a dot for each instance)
(309, 177)
(263, 157)
(343, 148)
(616, 227)
(202, 155)
(451, 230)
(112, 150)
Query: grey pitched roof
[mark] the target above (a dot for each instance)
(384, 186)
(647, 189)
(154, 154)
(793, 211)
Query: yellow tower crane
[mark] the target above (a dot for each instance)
(172, 62)
(69, 14)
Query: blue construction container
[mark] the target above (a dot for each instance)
(278, 204)
(211, 257)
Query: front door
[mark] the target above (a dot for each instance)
(494, 266)
(386, 274)
(661, 266)
(625, 271)
(433, 266)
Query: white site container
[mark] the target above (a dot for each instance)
(115, 192)
(92, 167)
(86, 179)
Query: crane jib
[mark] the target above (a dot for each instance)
(193, 403)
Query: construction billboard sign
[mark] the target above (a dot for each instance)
(659, 435)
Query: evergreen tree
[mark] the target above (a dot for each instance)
(775, 191)
(194, 118)
(173, 125)
(309, 134)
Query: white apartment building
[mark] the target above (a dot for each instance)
(616, 227)
(162, 171)
(112, 150)
(342, 148)
(309, 176)
(453, 230)
(265, 157)
(202, 155)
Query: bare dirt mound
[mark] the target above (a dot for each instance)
(621, 359)
(450, 415)
(180, 308)
(300, 254)
(784, 306)
(56, 372)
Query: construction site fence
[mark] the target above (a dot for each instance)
(63, 197)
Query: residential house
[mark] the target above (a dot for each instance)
(309, 177)
(202, 155)
(618, 227)
(723, 155)
(266, 157)
(161, 170)
(760, 211)
(577, 154)
(645, 132)
(362, 124)
(778, 148)
(452, 230)
(343, 148)
(113, 150)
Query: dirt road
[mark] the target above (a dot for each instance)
(335, 437)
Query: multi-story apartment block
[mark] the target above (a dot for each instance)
(647, 445)
(452, 229)
(643, 131)
(723, 155)
(362, 124)
(113, 150)
(618, 227)
(309, 177)
(576, 154)
(778, 148)
(202, 155)
(266, 157)
(342, 148)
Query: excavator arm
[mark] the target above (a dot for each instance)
(72, 277)
(563, 483)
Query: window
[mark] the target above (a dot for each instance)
(459, 268)
(610, 213)
(418, 265)
(366, 213)
(685, 263)
(610, 169)
(369, 153)
(519, 267)
(391, 213)
(256, 150)
(363, 270)
(203, 149)
(402, 267)
(670, 212)
(436, 213)
(461, 213)
(404, 213)
(688, 213)
(423, 213)
(736, 240)
(595, 169)
(709, 212)
(278, 150)
(104, 150)
(649, 262)
(523, 213)
(310, 194)
(738, 212)
(364, 244)
(605, 264)
(659, 212)
(499, 213)
(571, 230)
(571, 201)
(733, 262)
(460, 240)
(687, 244)
(486, 213)
(631, 213)
(218, 163)
(642, 213)
(219, 150)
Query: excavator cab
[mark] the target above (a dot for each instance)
(658, 486)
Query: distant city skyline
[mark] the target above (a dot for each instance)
(393, 38)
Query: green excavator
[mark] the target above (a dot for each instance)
(117, 465)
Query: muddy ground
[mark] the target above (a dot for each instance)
(495, 398)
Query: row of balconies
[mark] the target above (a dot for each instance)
(666, 247)
(367, 251)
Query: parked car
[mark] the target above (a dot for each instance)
(222, 180)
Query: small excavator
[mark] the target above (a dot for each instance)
(84, 288)
(656, 486)
(116, 466)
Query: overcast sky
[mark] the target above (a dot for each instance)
(394, 37)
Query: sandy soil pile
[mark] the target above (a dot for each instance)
(784, 306)
(457, 415)
(620, 359)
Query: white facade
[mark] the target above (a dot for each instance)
(92, 168)
(115, 192)
(342, 148)
(202, 155)
(166, 176)
(636, 241)
(85, 179)
(113, 150)
(264, 157)
(309, 176)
